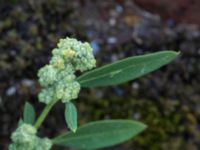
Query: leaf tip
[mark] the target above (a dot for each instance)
(141, 125)
(176, 53)
(74, 130)
(144, 126)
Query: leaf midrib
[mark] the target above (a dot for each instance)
(89, 135)
(107, 74)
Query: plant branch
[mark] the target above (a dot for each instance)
(44, 113)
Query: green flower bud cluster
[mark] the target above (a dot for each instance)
(58, 77)
(24, 138)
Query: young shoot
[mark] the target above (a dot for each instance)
(60, 85)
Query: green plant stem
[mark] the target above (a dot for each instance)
(44, 114)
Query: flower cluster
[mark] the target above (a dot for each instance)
(24, 138)
(58, 77)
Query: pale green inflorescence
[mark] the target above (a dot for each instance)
(58, 77)
(24, 138)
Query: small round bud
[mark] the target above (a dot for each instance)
(46, 95)
(55, 51)
(43, 144)
(58, 78)
(23, 138)
(68, 53)
(71, 91)
(57, 62)
(47, 75)
(24, 134)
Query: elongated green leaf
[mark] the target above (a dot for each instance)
(100, 134)
(71, 116)
(126, 69)
(29, 114)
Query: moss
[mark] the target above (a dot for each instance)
(162, 126)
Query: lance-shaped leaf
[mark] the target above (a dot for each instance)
(29, 114)
(126, 69)
(71, 116)
(100, 134)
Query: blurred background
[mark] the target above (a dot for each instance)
(167, 100)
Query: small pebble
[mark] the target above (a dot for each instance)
(11, 91)
(112, 40)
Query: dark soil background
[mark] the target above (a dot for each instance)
(168, 100)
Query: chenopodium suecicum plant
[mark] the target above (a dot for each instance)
(60, 84)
